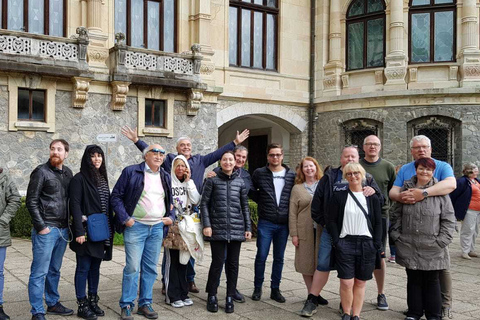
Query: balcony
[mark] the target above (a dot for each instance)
(151, 67)
(44, 55)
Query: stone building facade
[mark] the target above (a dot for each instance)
(212, 67)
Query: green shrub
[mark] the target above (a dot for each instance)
(253, 216)
(21, 224)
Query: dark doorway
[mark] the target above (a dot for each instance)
(257, 152)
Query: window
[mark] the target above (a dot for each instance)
(148, 24)
(365, 34)
(154, 113)
(355, 131)
(432, 31)
(39, 16)
(253, 29)
(31, 105)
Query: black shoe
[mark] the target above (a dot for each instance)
(322, 301)
(93, 303)
(212, 303)
(257, 294)
(346, 317)
(192, 287)
(238, 297)
(229, 305)
(59, 309)
(3, 315)
(84, 310)
(276, 295)
(38, 316)
(355, 318)
(309, 308)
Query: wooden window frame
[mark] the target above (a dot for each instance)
(364, 18)
(432, 8)
(46, 13)
(163, 125)
(264, 9)
(145, 24)
(30, 105)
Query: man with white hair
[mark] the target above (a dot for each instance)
(421, 147)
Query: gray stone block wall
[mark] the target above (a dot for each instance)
(394, 130)
(22, 151)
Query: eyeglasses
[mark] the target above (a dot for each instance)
(158, 151)
(351, 174)
(420, 147)
(372, 144)
(275, 155)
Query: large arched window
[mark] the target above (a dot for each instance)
(39, 16)
(148, 24)
(432, 31)
(365, 34)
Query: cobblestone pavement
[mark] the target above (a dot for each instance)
(466, 288)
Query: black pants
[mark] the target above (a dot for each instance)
(176, 285)
(423, 293)
(219, 249)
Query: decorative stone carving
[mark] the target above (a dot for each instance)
(80, 92)
(207, 68)
(97, 55)
(142, 61)
(58, 50)
(345, 81)
(412, 74)
(194, 102)
(379, 77)
(12, 44)
(82, 33)
(120, 38)
(453, 73)
(395, 73)
(330, 82)
(119, 95)
(472, 71)
(178, 65)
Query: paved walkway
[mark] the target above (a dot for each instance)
(466, 289)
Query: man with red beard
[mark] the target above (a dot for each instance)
(47, 195)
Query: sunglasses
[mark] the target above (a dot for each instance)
(155, 150)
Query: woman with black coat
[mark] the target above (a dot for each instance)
(89, 194)
(226, 224)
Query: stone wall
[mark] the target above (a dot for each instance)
(395, 134)
(22, 151)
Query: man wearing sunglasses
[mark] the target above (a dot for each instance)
(142, 201)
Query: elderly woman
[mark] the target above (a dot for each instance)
(302, 228)
(466, 203)
(422, 232)
(355, 224)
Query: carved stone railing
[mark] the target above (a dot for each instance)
(21, 51)
(144, 66)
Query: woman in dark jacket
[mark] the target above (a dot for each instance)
(89, 193)
(466, 203)
(355, 224)
(226, 223)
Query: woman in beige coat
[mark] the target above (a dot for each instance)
(303, 231)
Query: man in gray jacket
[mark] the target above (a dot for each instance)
(9, 204)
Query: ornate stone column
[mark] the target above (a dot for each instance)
(469, 56)
(97, 50)
(333, 69)
(396, 59)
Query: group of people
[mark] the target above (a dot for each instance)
(337, 219)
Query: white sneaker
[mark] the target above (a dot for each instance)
(187, 302)
(177, 304)
(466, 256)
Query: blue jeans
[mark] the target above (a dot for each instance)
(88, 269)
(266, 233)
(142, 250)
(323, 258)
(48, 250)
(3, 254)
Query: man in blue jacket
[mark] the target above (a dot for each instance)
(143, 205)
(271, 190)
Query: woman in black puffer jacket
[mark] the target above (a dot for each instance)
(226, 223)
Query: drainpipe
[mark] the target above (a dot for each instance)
(311, 86)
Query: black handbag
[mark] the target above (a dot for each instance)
(97, 227)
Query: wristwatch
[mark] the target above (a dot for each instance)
(425, 194)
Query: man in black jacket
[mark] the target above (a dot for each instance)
(272, 185)
(47, 203)
(331, 182)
